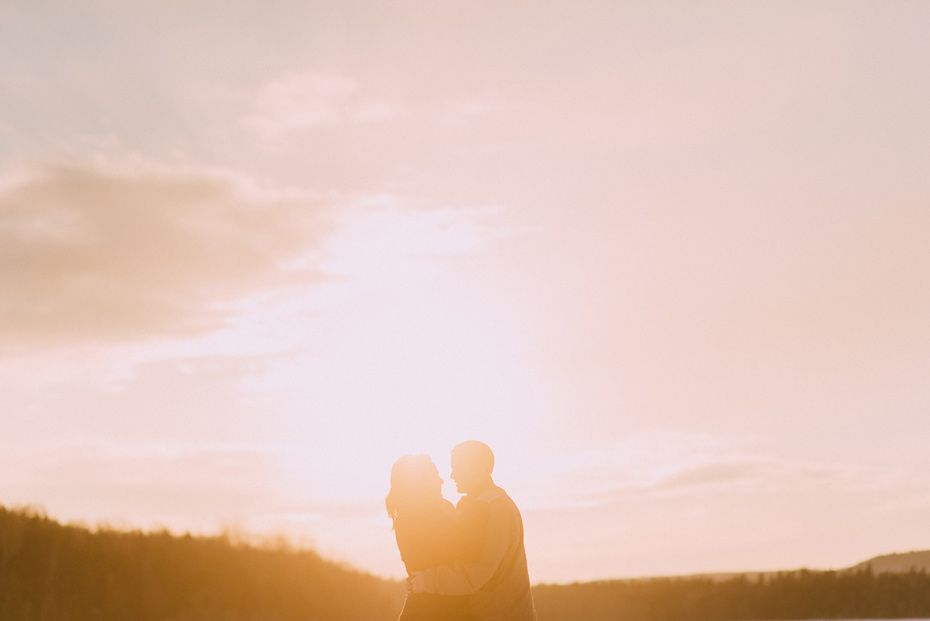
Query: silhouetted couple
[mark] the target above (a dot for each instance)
(465, 562)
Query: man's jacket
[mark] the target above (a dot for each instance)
(495, 575)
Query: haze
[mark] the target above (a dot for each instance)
(669, 259)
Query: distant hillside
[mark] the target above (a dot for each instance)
(895, 586)
(897, 562)
(49, 571)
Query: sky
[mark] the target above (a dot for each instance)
(668, 259)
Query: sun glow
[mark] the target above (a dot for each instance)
(406, 358)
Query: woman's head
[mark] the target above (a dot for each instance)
(415, 484)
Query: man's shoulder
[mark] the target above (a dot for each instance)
(491, 497)
(491, 494)
(481, 501)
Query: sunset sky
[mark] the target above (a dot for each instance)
(670, 260)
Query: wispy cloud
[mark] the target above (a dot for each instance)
(463, 109)
(386, 239)
(106, 251)
(304, 101)
(677, 465)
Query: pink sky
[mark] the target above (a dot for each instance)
(668, 259)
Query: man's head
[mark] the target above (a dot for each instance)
(472, 464)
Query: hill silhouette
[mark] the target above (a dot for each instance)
(51, 571)
(897, 562)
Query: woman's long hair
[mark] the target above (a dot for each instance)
(416, 487)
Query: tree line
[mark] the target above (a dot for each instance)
(802, 594)
(50, 571)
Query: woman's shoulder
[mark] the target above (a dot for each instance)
(449, 512)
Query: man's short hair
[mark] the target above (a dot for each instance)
(477, 453)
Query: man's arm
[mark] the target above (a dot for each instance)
(465, 578)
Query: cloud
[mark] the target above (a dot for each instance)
(390, 242)
(463, 109)
(304, 101)
(726, 476)
(109, 252)
(715, 474)
(660, 466)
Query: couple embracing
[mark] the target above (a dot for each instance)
(465, 562)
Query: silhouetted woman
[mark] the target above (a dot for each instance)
(428, 532)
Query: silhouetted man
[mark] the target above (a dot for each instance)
(496, 577)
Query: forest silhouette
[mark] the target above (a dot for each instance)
(51, 571)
